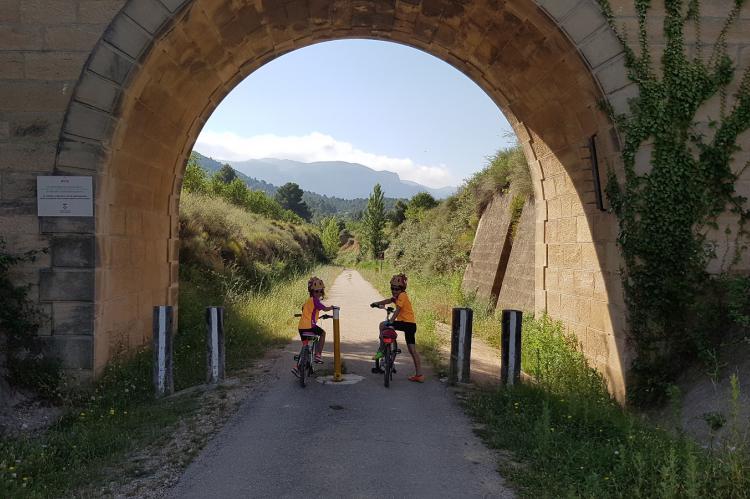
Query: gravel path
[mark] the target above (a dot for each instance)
(353, 440)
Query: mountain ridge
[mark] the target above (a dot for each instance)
(352, 180)
(320, 204)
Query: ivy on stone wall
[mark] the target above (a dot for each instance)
(20, 319)
(665, 213)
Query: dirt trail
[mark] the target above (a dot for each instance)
(353, 440)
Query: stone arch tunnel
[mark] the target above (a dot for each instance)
(119, 90)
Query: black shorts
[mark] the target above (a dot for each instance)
(409, 328)
(315, 329)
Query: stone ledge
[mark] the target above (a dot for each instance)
(127, 36)
(174, 5)
(67, 225)
(613, 76)
(73, 319)
(110, 64)
(97, 92)
(585, 19)
(72, 351)
(87, 122)
(601, 47)
(66, 285)
(82, 155)
(73, 251)
(149, 14)
(557, 9)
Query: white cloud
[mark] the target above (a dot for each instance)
(316, 147)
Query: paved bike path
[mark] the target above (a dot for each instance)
(357, 440)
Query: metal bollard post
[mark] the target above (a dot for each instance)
(461, 325)
(215, 344)
(510, 372)
(162, 341)
(336, 346)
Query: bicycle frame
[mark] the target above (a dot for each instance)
(305, 357)
(390, 350)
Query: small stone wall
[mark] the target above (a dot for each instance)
(517, 291)
(483, 275)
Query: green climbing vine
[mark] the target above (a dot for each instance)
(666, 213)
(20, 320)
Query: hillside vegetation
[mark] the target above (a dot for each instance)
(216, 236)
(427, 236)
(320, 205)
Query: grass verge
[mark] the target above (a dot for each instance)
(566, 436)
(119, 415)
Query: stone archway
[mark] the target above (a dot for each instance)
(163, 66)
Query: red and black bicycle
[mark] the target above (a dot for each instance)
(390, 350)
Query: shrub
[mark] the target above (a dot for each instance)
(20, 320)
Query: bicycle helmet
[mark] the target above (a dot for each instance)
(399, 281)
(315, 284)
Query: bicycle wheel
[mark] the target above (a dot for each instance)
(304, 358)
(388, 368)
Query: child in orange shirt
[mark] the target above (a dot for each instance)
(401, 320)
(308, 322)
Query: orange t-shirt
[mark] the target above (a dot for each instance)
(406, 313)
(309, 314)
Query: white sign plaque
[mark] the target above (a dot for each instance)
(65, 196)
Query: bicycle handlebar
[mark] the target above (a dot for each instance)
(325, 316)
(375, 305)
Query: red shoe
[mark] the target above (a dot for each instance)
(418, 378)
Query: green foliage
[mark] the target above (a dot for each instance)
(373, 223)
(20, 320)
(195, 178)
(331, 238)
(437, 237)
(235, 191)
(226, 174)
(218, 237)
(573, 440)
(398, 214)
(419, 204)
(105, 423)
(289, 196)
(254, 321)
(516, 210)
(563, 435)
(439, 240)
(507, 170)
(665, 214)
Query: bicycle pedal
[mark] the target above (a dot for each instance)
(398, 350)
(375, 370)
(394, 370)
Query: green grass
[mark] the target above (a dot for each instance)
(119, 415)
(566, 436)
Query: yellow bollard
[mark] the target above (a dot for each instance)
(336, 346)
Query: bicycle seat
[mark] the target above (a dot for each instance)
(310, 336)
(390, 333)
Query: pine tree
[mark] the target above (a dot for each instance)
(373, 222)
(289, 196)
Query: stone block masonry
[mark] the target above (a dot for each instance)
(116, 88)
(517, 290)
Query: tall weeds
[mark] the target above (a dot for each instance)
(567, 436)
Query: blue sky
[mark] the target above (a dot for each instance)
(387, 106)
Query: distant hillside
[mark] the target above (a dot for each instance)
(334, 178)
(321, 205)
(212, 166)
